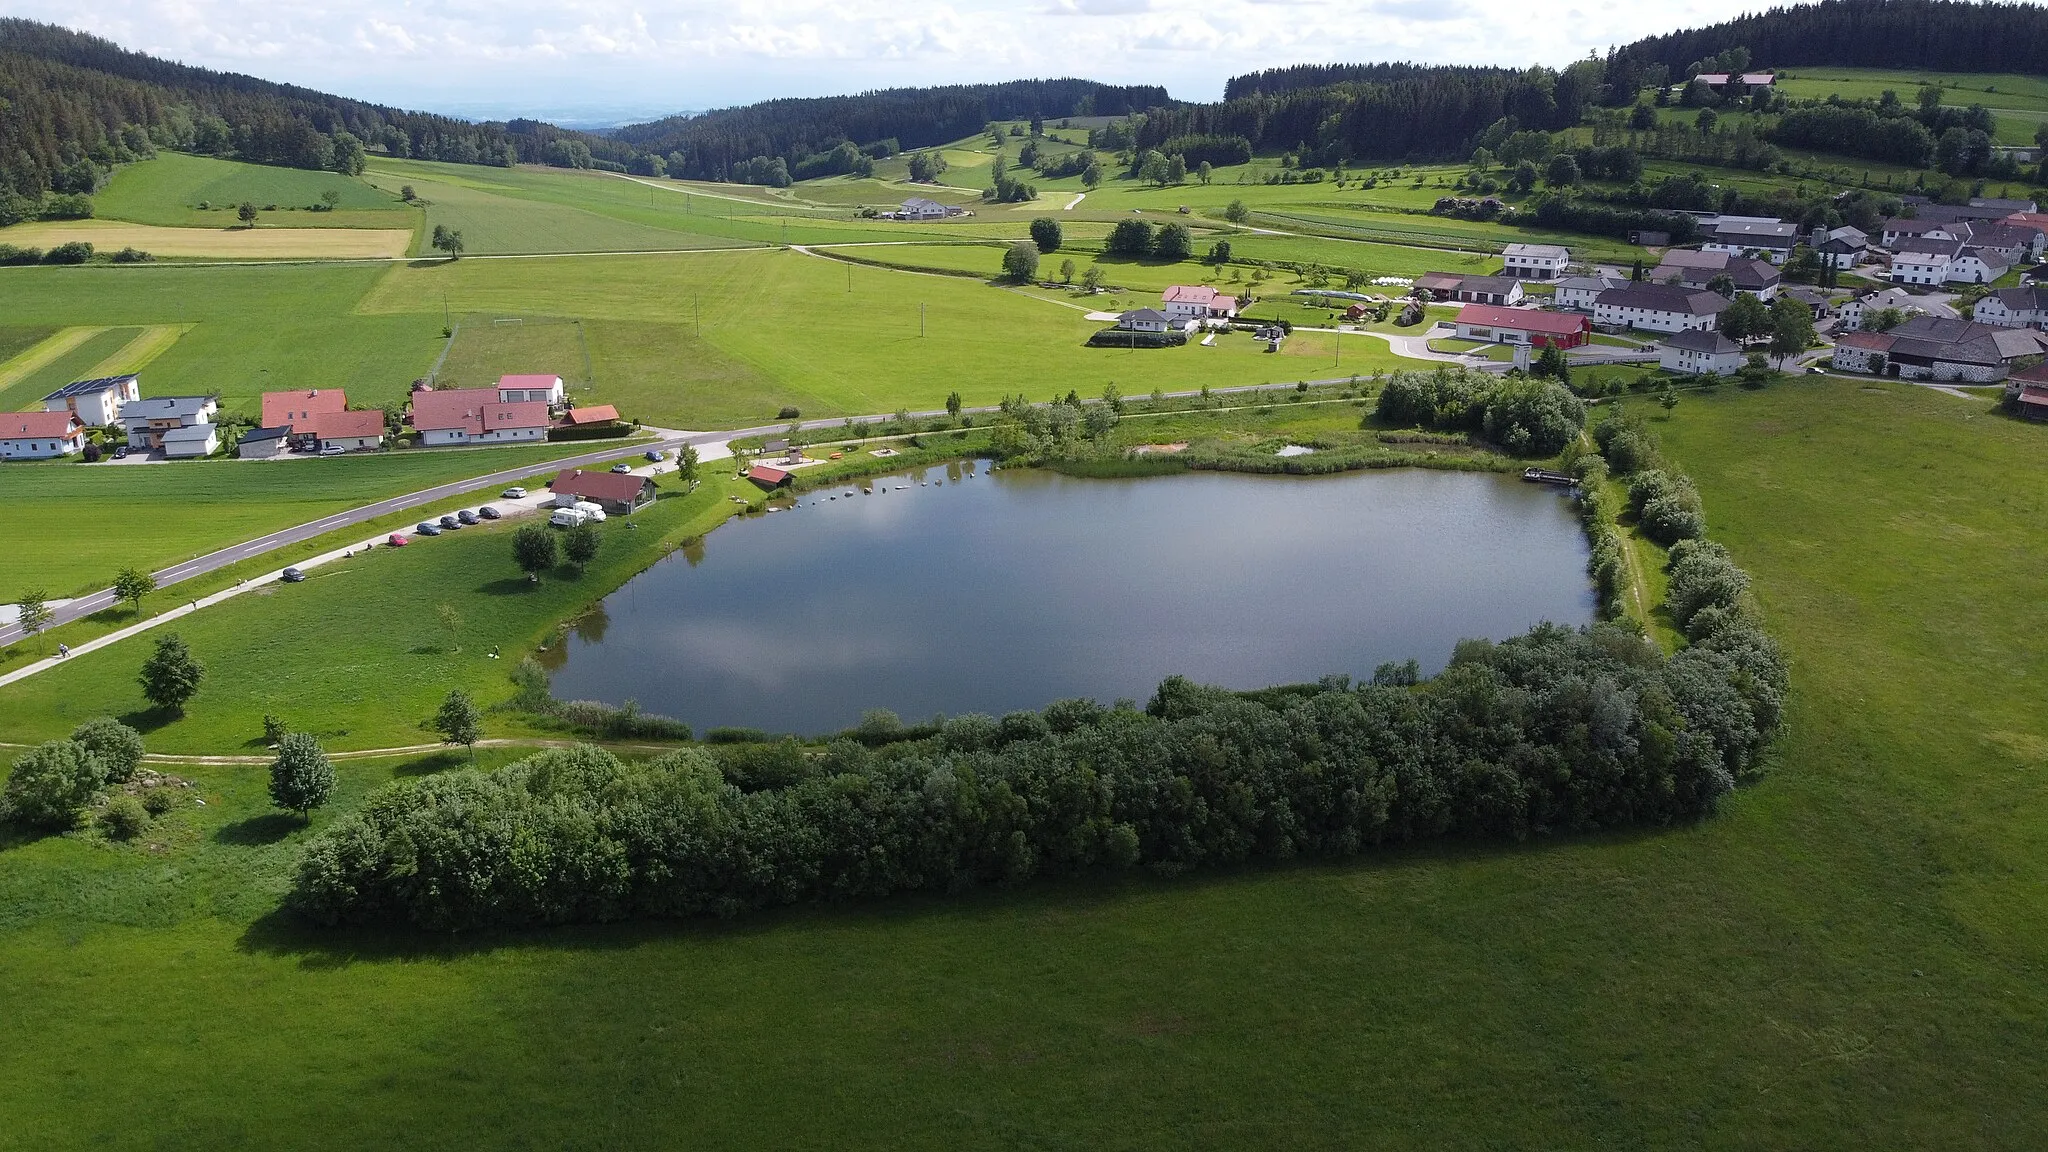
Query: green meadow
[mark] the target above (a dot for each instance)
(168, 190)
(1845, 957)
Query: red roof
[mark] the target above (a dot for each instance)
(1190, 294)
(1868, 341)
(37, 425)
(2037, 376)
(763, 474)
(595, 414)
(475, 411)
(531, 380)
(1524, 320)
(619, 487)
(299, 406)
(339, 425)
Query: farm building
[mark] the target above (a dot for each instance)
(264, 443)
(1503, 291)
(590, 415)
(1522, 326)
(1756, 277)
(1579, 292)
(1659, 308)
(2027, 389)
(1699, 353)
(40, 435)
(768, 476)
(921, 208)
(1535, 261)
(96, 403)
(612, 491)
(1927, 348)
(1767, 236)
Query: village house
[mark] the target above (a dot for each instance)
(1816, 300)
(1502, 325)
(1699, 354)
(1745, 81)
(1660, 308)
(1843, 248)
(1900, 229)
(1143, 320)
(1767, 236)
(2011, 243)
(96, 403)
(615, 492)
(526, 389)
(1931, 263)
(476, 416)
(147, 421)
(921, 208)
(1184, 302)
(1855, 312)
(2022, 307)
(40, 435)
(1756, 277)
(314, 419)
(1534, 262)
(1928, 348)
(1579, 292)
(1501, 291)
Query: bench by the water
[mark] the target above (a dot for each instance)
(1546, 476)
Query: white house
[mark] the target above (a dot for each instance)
(1924, 261)
(521, 389)
(476, 416)
(920, 208)
(1534, 262)
(40, 435)
(1844, 248)
(1579, 292)
(1144, 320)
(1185, 302)
(1976, 265)
(96, 403)
(189, 441)
(148, 420)
(1699, 353)
(1899, 230)
(2022, 307)
(1767, 236)
(1659, 308)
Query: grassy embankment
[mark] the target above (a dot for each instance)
(1842, 958)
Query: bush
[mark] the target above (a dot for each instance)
(15, 254)
(132, 256)
(788, 414)
(51, 784)
(1627, 442)
(76, 252)
(124, 818)
(1533, 417)
(1554, 731)
(157, 801)
(1703, 577)
(1020, 261)
(1667, 509)
(117, 747)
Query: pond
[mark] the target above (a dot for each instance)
(959, 590)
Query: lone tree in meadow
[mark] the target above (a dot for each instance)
(1237, 213)
(301, 778)
(448, 240)
(170, 676)
(1045, 232)
(35, 614)
(1020, 261)
(580, 546)
(132, 584)
(686, 466)
(246, 213)
(533, 549)
(459, 722)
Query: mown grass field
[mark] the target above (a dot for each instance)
(71, 527)
(223, 242)
(2020, 103)
(60, 359)
(168, 189)
(1846, 957)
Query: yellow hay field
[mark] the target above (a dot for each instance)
(223, 243)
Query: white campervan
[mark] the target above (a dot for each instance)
(591, 512)
(567, 518)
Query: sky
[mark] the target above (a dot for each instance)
(616, 59)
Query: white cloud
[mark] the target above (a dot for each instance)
(563, 57)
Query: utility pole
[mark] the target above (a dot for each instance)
(849, 277)
(697, 314)
(920, 320)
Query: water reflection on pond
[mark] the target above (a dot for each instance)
(956, 590)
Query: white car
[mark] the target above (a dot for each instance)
(515, 492)
(332, 450)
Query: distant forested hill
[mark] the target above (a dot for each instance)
(1939, 35)
(712, 146)
(73, 105)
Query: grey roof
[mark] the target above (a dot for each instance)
(1922, 246)
(1989, 256)
(2007, 206)
(1666, 298)
(1553, 251)
(194, 432)
(2027, 297)
(1769, 232)
(1590, 283)
(1711, 342)
(1497, 284)
(2003, 235)
(920, 203)
(1968, 341)
(1144, 314)
(88, 387)
(257, 435)
(164, 407)
(1690, 258)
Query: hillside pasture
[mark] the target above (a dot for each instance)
(68, 357)
(168, 189)
(222, 243)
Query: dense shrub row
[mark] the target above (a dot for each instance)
(590, 717)
(1525, 416)
(1555, 731)
(53, 784)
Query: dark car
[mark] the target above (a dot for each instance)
(291, 576)
(121, 453)
(467, 517)
(450, 523)
(487, 512)
(427, 528)
(622, 467)
(653, 455)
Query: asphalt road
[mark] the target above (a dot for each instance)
(99, 601)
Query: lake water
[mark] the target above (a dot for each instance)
(959, 590)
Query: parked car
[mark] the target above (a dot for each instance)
(121, 453)
(515, 492)
(450, 523)
(487, 512)
(427, 528)
(396, 541)
(291, 576)
(332, 450)
(467, 517)
(654, 455)
(621, 468)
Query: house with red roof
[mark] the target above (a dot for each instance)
(476, 416)
(312, 420)
(619, 492)
(589, 415)
(40, 435)
(1523, 326)
(1184, 302)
